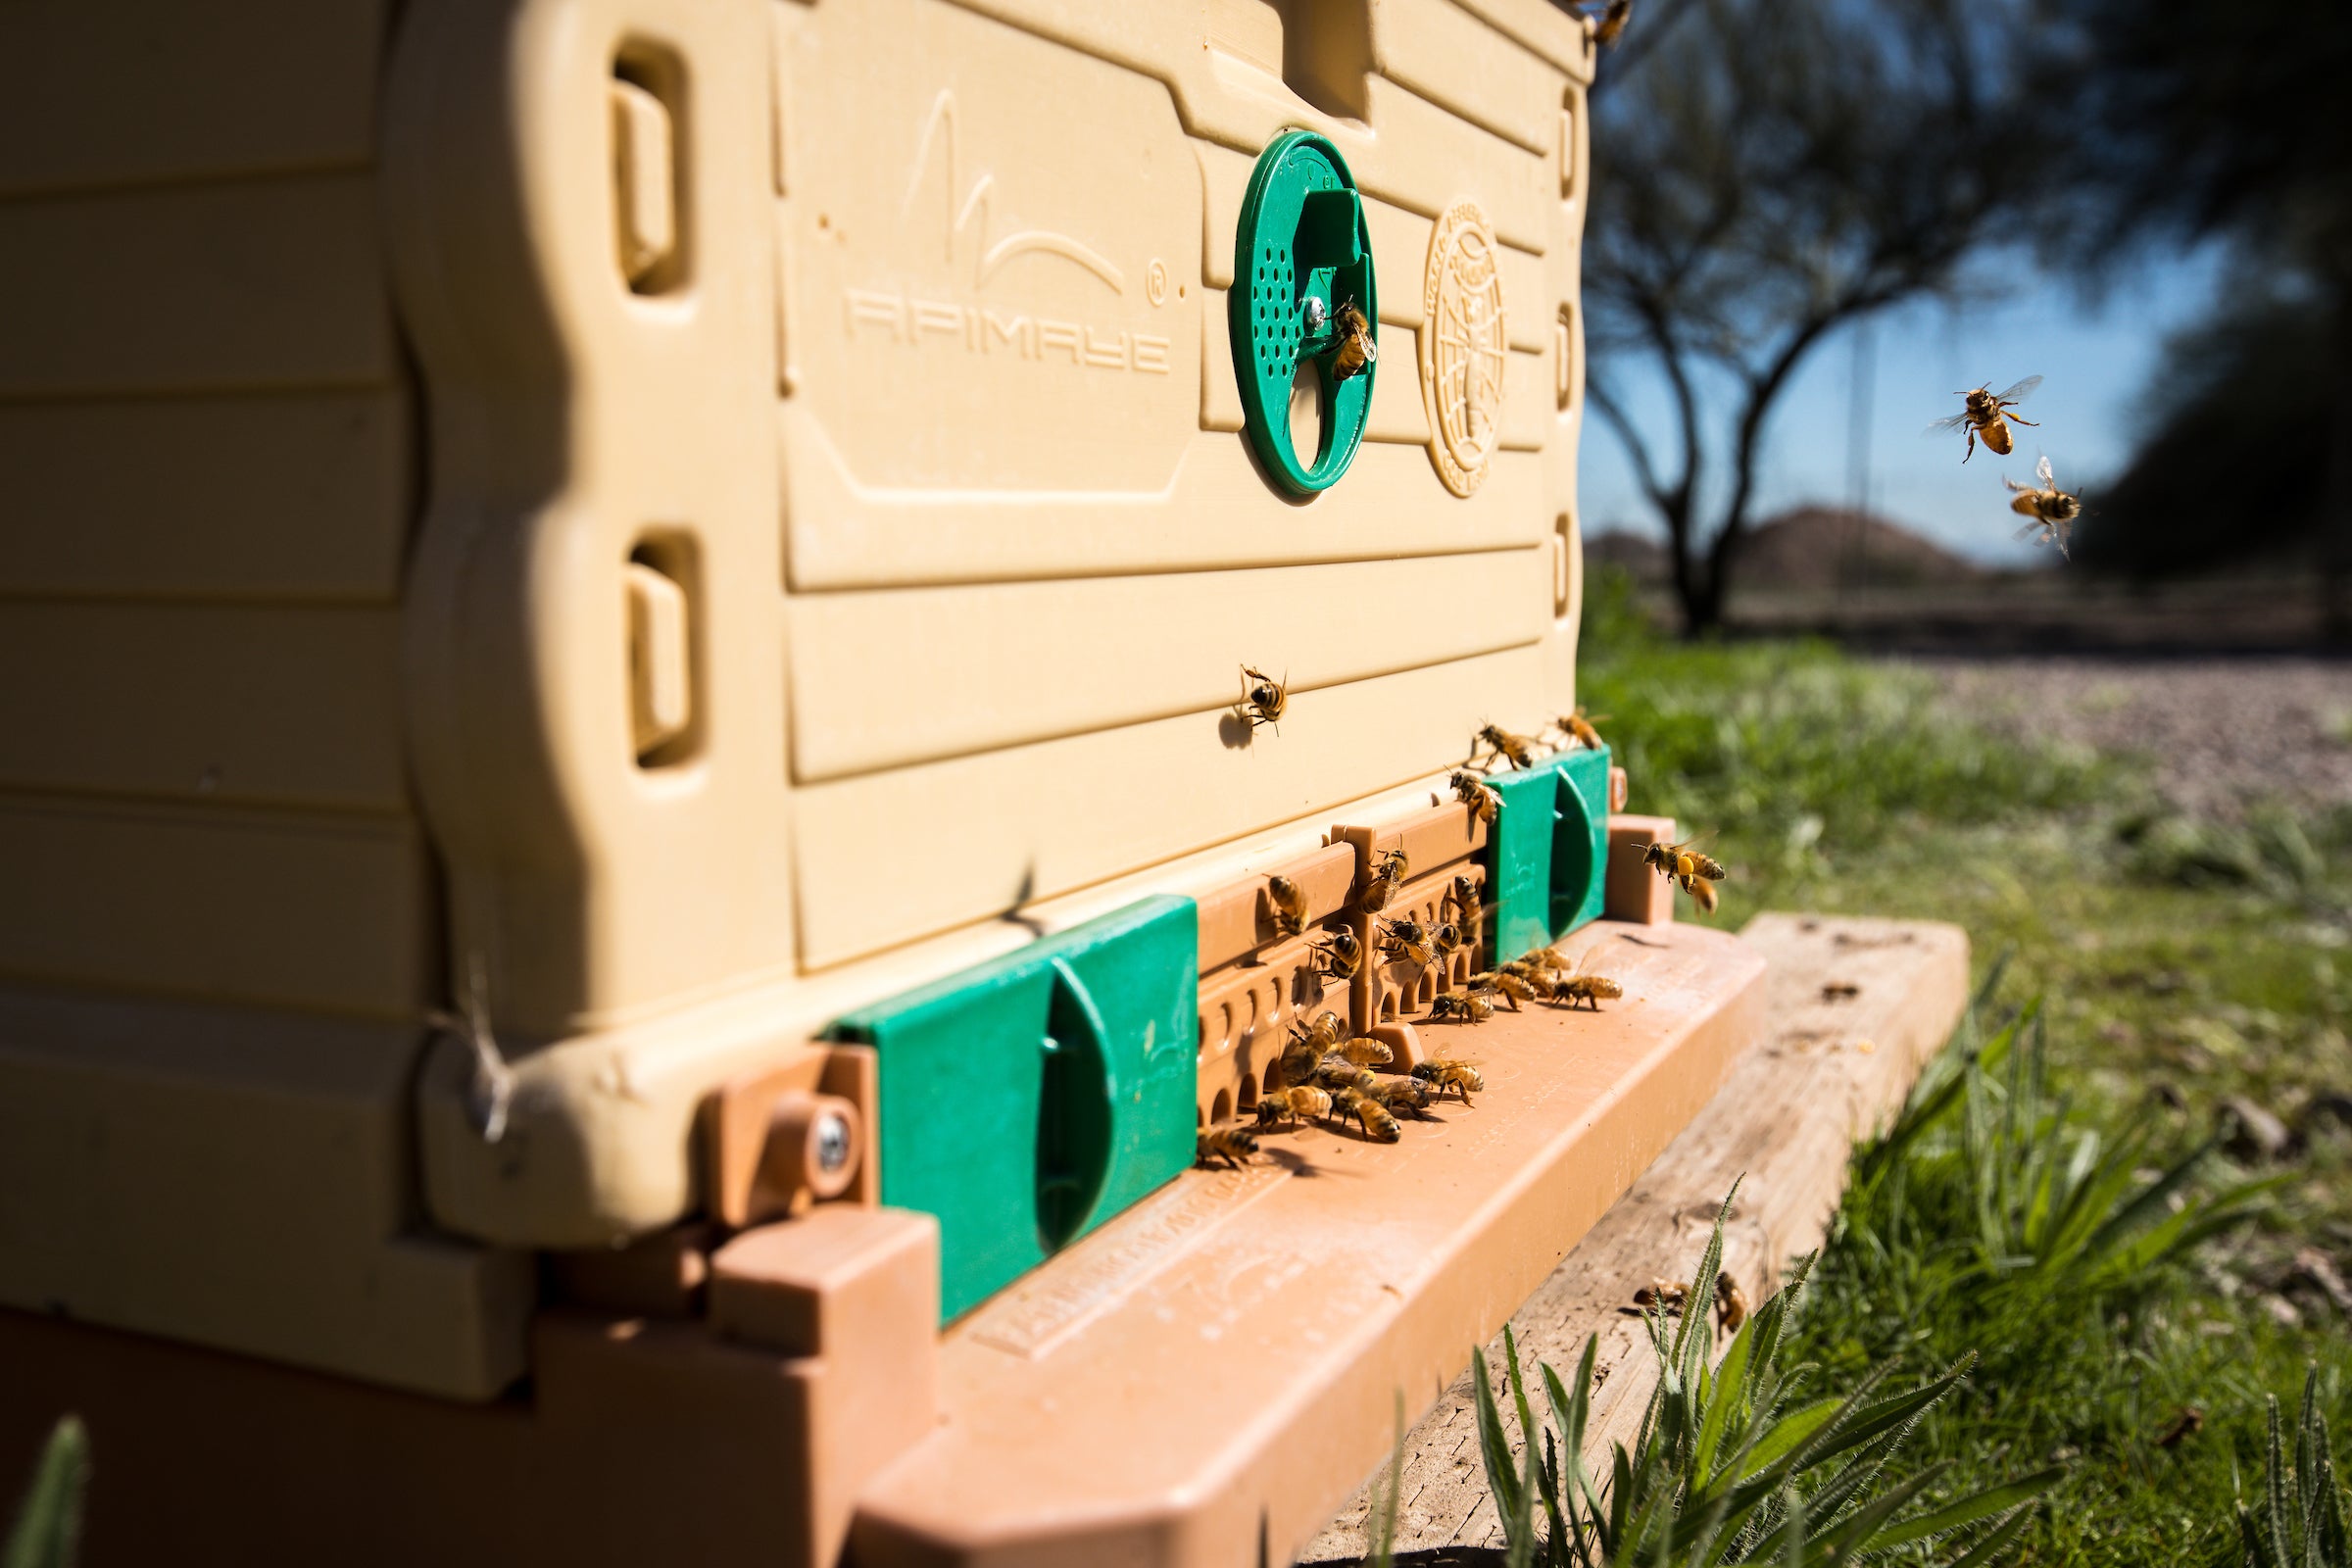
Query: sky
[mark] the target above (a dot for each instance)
(2096, 358)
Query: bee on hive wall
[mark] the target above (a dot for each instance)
(1357, 347)
(1264, 699)
(1477, 793)
(1288, 899)
(1520, 751)
(1388, 874)
(1340, 956)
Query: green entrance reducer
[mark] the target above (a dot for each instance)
(1300, 255)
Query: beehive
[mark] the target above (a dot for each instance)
(693, 514)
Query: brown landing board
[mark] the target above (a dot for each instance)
(1825, 1074)
(1205, 1379)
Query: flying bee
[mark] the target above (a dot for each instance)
(1344, 1077)
(1682, 863)
(1508, 983)
(1357, 348)
(1370, 1115)
(1299, 1103)
(1611, 25)
(1543, 959)
(1462, 1006)
(1366, 1052)
(1288, 899)
(1405, 1097)
(1987, 414)
(1517, 748)
(2048, 510)
(1579, 728)
(1444, 1072)
(1388, 874)
(1477, 793)
(1340, 956)
(1730, 1303)
(1263, 698)
(1231, 1144)
(1407, 943)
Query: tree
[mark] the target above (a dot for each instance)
(2200, 120)
(1766, 172)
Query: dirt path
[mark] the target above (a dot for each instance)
(2224, 733)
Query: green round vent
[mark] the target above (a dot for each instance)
(1302, 261)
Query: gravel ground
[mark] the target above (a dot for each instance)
(2224, 733)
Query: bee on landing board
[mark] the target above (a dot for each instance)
(1342, 1076)
(1404, 1097)
(1356, 345)
(1987, 416)
(1369, 1113)
(1339, 957)
(1288, 899)
(1264, 698)
(1231, 1144)
(1510, 984)
(1301, 1102)
(1579, 728)
(1589, 989)
(1365, 1052)
(1388, 874)
(1460, 1007)
(2051, 511)
(1477, 793)
(1444, 1072)
(1518, 749)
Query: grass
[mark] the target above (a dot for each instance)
(2182, 966)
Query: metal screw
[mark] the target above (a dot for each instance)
(1314, 313)
(832, 1144)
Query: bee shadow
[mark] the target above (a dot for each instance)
(1289, 1159)
(1236, 730)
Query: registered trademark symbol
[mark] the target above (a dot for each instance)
(1156, 283)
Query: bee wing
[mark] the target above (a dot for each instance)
(2020, 392)
(2036, 526)
(1943, 425)
(1698, 841)
(2042, 470)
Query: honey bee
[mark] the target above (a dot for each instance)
(1288, 899)
(1358, 348)
(1404, 1097)
(1508, 983)
(1467, 905)
(1445, 941)
(1730, 1303)
(1461, 1006)
(1681, 862)
(1296, 1103)
(1664, 1294)
(1444, 1072)
(1611, 25)
(1369, 1113)
(1477, 793)
(1231, 1144)
(1366, 1052)
(1340, 956)
(1577, 727)
(1542, 959)
(1308, 1041)
(1987, 414)
(1517, 748)
(1589, 989)
(1405, 941)
(1386, 876)
(1342, 1076)
(1263, 698)
(2051, 511)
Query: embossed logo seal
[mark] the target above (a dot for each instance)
(1462, 347)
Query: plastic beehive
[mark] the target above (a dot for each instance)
(693, 514)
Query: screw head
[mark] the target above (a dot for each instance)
(832, 1144)
(1314, 313)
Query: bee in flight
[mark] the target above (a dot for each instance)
(1386, 876)
(1517, 748)
(1462, 1006)
(1288, 899)
(1301, 1102)
(1357, 348)
(1264, 698)
(2048, 510)
(1370, 1115)
(1987, 416)
(1477, 793)
(1611, 25)
(1579, 728)
(1231, 1144)
(1444, 1072)
(1681, 862)
(1339, 957)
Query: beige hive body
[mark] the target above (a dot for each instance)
(560, 546)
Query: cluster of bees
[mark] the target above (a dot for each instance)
(2049, 511)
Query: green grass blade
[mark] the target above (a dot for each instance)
(1731, 1390)
(1966, 1511)
(1493, 1446)
(47, 1531)
(1999, 1538)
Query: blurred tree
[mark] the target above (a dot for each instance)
(1766, 172)
(2231, 120)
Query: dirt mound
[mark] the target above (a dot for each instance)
(1806, 548)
